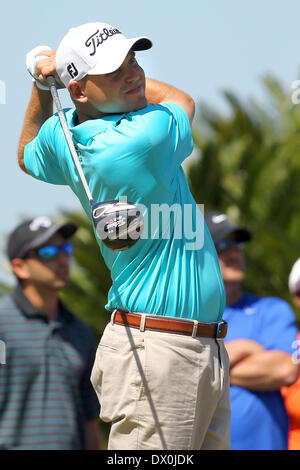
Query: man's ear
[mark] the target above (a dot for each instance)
(19, 267)
(76, 90)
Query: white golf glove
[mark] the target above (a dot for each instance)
(31, 61)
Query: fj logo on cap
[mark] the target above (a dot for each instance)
(72, 70)
(98, 38)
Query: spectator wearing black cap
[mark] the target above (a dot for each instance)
(46, 397)
(260, 342)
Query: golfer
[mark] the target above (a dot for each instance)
(161, 369)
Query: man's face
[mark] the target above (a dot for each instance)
(232, 262)
(117, 92)
(52, 274)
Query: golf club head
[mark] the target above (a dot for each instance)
(117, 223)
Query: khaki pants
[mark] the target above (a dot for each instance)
(162, 390)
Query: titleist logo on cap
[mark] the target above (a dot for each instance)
(96, 39)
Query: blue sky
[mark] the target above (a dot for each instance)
(200, 46)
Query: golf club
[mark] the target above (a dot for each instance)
(119, 224)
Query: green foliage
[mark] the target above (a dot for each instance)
(248, 165)
(4, 289)
(87, 292)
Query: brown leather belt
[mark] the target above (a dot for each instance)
(170, 324)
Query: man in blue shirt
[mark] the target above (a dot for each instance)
(161, 370)
(260, 343)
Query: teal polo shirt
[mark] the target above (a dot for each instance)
(173, 269)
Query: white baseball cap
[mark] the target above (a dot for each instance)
(94, 49)
(294, 278)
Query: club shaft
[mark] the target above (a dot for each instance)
(61, 115)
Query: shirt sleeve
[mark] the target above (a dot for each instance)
(279, 330)
(170, 136)
(41, 157)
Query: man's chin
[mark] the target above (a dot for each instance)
(136, 106)
(142, 106)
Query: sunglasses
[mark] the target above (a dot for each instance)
(225, 244)
(52, 251)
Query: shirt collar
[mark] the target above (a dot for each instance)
(28, 309)
(86, 130)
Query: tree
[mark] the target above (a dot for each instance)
(87, 292)
(248, 165)
(4, 289)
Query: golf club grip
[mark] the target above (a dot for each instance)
(53, 88)
(52, 85)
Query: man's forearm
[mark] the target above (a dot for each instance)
(93, 438)
(239, 349)
(39, 109)
(267, 370)
(159, 92)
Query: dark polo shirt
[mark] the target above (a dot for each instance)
(45, 389)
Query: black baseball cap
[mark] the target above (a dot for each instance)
(34, 233)
(220, 227)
